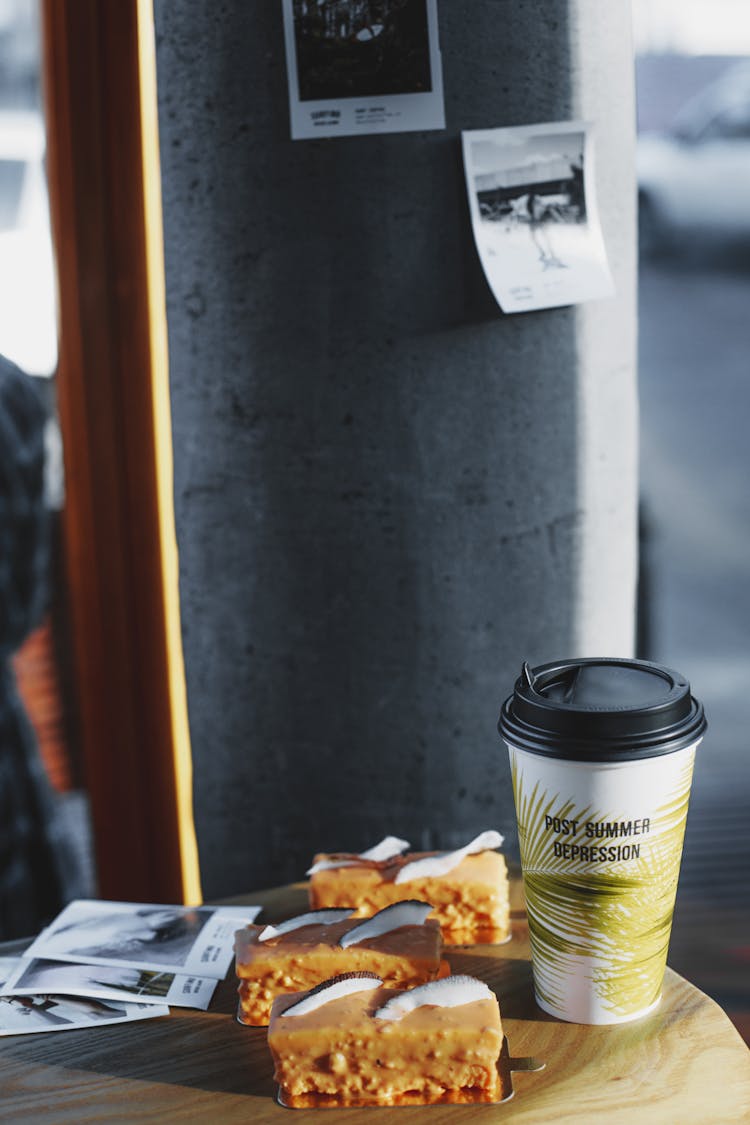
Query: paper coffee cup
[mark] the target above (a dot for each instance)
(601, 755)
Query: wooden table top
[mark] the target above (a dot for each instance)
(683, 1064)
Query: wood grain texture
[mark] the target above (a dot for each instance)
(112, 529)
(685, 1063)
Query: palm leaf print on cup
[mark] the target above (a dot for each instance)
(609, 920)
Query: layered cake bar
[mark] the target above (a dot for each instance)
(351, 1042)
(467, 888)
(398, 945)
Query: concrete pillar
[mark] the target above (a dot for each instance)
(388, 493)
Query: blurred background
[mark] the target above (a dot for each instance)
(46, 825)
(693, 93)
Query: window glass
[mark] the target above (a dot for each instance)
(28, 332)
(730, 124)
(694, 392)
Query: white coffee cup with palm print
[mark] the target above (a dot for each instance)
(601, 754)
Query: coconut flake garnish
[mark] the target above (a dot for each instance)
(332, 989)
(446, 861)
(388, 847)
(450, 992)
(328, 864)
(329, 914)
(410, 912)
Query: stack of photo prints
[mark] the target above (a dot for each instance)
(112, 962)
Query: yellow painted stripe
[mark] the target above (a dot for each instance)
(183, 764)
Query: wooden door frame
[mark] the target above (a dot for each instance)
(113, 402)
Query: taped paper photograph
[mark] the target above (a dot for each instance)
(188, 940)
(24, 1015)
(109, 982)
(362, 66)
(533, 209)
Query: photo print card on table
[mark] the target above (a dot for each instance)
(8, 966)
(25, 1015)
(533, 211)
(36, 976)
(187, 940)
(362, 66)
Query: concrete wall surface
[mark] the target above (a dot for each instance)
(388, 494)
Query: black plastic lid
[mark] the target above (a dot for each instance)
(601, 710)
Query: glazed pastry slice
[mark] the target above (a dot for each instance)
(399, 945)
(353, 1042)
(468, 888)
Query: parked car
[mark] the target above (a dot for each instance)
(28, 316)
(694, 181)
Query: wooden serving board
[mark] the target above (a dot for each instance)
(683, 1065)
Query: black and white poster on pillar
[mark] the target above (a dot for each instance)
(533, 209)
(362, 66)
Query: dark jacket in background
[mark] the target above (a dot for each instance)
(36, 861)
